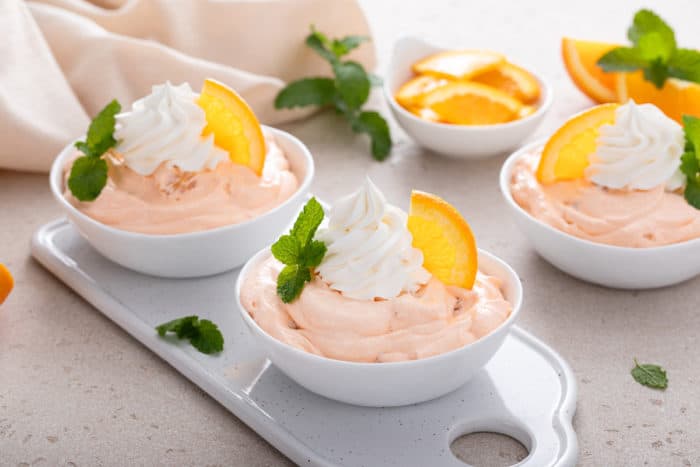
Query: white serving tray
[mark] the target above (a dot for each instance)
(526, 391)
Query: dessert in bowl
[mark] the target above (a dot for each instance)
(182, 184)
(382, 309)
(466, 104)
(607, 198)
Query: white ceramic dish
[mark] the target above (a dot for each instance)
(388, 384)
(458, 141)
(606, 265)
(192, 254)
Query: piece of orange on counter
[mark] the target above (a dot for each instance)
(6, 283)
(469, 103)
(458, 64)
(580, 59)
(565, 156)
(512, 80)
(445, 238)
(235, 127)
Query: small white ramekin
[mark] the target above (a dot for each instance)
(395, 383)
(458, 141)
(193, 254)
(599, 263)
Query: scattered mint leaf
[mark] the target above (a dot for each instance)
(308, 91)
(347, 92)
(87, 177)
(655, 51)
(649, 375)
(291, 281)
(376, 127)
(287, 249)
(202, 334)
(299, 252)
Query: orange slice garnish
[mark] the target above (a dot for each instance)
(445, 238)
(235, 127)
(676, 98)
(411, 94)
(458, 64)
(6, 283)
(468, 103)
(580, 59)
(565, 156)
(512, 80)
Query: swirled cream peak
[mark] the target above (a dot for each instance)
(166, 126)
(640, 151)
(369, 248)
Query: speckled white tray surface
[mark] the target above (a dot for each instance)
(526, 391)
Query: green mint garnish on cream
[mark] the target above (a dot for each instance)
(690, 160)
(654, 51)
(299, 252)
(88, 176)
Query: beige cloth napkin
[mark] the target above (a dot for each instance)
(61, 61)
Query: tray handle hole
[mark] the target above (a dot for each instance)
(488, 449)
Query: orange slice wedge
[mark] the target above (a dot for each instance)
(411, 94)
(458, 64)
(565, 156)
(580, 59)
(445, 238)
(6, 283)
(676, 98)
(235, 127)
(468, 103)
(512, 80)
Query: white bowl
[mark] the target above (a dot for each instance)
(191, 254)
(395, 383)
(606, 265)
(458, 141)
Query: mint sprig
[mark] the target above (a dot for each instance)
(690, 160)
(88, 176)
(299, 252)
(654, 51)
(203, 334)
(649, 375)
(347, 92)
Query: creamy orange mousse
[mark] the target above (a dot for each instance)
(173, 201)
(432, 320)
(621, 217)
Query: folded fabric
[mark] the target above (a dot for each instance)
(63, 60)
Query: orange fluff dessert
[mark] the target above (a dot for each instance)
(611, 175)
(185, 162)
(469, 87)
(376, 285)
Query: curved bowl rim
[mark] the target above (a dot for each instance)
(504, 183)
(473, 346)
(56, 184)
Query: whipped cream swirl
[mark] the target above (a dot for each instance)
(640, 151)
(369, 248)
(166, 126)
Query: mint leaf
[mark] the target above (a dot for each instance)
(685, 64)
(621, 59)
(647, 22)
(378, 130)
(650, 375)
(291, 280)
(656, 72)
(691, 129)
(692, 193)
(352, 83)
(202, 334)
(653, 46)
(308, 91)
(690, 160)
(308, 221)
(287, 249)
(87, 177)
(343, 46)
(319, 43)
(690, 166)
(313, 254)
(100, 134)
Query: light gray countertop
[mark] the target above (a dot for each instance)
(77, 390)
